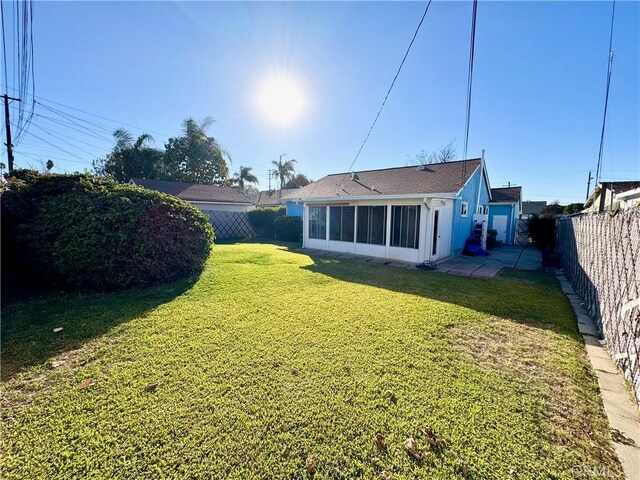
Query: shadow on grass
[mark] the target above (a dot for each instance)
(27, 327)
(530, 297)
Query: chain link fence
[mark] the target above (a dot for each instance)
(522, 232)
(230, 224)
(601, 258)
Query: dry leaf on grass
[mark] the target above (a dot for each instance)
(384, 476)
(379, 441)
(57, 329)
(411, 447)
(57, 363)
(432, 439)
(392, 396)
(87, 383)
(311, 466)
(464, 467)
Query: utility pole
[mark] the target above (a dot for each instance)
(588, 185)
(270, 179)
(8, 125)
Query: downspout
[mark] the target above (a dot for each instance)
(481, 180)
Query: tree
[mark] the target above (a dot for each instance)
(573, 208)
(244, 176)
(49, 165)
(554, 208)
(285, 170)
(251, 190)
(130, 158)
(445, 154)
(297, 181)
(195, 156)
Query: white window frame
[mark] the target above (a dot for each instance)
(464, 209)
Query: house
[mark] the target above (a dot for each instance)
(613, 196)
(530, 208)
(411, 214)
(505, 209)
(275, 198)
(204, 197)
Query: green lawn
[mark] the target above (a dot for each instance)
(272, 358)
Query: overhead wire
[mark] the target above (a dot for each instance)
(606, 96)
(393, 82)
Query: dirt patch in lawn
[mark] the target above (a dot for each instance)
(537, 357)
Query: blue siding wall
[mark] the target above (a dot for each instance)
(508, 211)
(462, 226)
(294, 209)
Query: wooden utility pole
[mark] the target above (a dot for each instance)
(588, 185)
(8, 127)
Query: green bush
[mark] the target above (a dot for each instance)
(542, 230)
(85, 233)
(288, 229)
(262, 220)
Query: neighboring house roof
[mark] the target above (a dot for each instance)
(271, 198)
(195, 192)
(530, 207)
(447, 177)
(616, 187)
(506, 195)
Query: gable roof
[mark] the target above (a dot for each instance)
(530, 207)
(447, 177)
(195, 192)
(506, 195)
(271, 198)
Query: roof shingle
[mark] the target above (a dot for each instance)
(434, 178)
(506, 195)
(194, 192)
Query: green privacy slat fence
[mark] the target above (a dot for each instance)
(601, 259)
(230, 224)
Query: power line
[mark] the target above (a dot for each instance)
(366, 138)
(4, 44)
(470, 77)
(606, 96)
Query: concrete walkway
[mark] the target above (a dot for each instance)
(616, 398)
(523, 258)
(508, 256)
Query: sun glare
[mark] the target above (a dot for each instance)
(281, 100)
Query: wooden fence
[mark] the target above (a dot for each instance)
(601, 259)
(230, 224)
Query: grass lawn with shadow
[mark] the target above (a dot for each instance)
(274, 359)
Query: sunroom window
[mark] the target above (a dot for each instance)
(372, 221)
(318, 222)
(405, 226)
(341, 223)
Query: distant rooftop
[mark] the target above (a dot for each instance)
(195, 192)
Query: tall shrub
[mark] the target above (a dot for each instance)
(85, 233)
(262, 220)
(288, 229)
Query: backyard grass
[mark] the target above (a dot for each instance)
(275, 364)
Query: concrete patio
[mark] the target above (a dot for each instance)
(524, 258)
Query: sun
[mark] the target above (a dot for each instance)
(281, 100)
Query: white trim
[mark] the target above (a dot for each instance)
(502, 203)
(379, 198)
(218, 203)
(467, 181)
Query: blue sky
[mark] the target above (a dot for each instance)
(538, 88)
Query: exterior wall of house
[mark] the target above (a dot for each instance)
(463, 225)
(294, 209)
(414, 255)
(510, 210)
(222, 207)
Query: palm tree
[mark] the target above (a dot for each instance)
(243, 176)
(284, 170)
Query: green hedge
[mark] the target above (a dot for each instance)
(262, 220)
(85, 233)
(288, 229)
